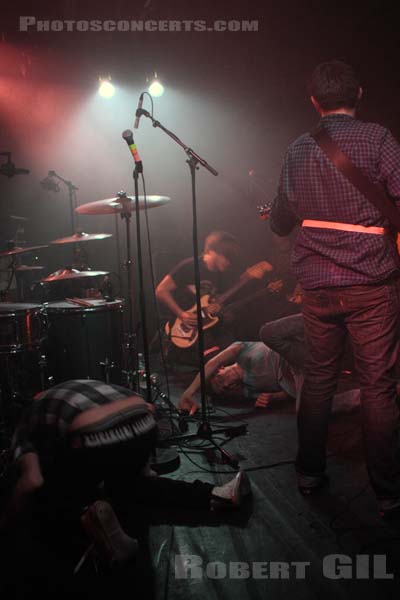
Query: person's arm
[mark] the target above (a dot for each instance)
(283, 219)
(389, 166)
(164, 292)
(266, 398)
(227, 356)
(29, 481)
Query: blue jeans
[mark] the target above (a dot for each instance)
(370, 316)
(286, 337)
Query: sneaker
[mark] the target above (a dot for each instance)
(232, 493)
(309, 484)
(110, 541)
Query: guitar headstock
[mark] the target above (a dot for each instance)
(258, 270)
(264, 210)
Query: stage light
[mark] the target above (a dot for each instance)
(156, 88)
(106, 88)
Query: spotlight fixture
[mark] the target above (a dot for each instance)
(106, 88)
(156, 88)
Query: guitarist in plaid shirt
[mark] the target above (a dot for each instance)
(348, 266)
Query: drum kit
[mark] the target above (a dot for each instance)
(74, 337)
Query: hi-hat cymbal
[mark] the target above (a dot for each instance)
(21, 250)
(110, 206)
(82, 237)
(67, 274)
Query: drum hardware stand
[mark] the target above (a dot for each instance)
(50, 183)
(155, 386)
(4, 293)
(193, 160)
(118, 242)
(106, 367)
(131, 369)
(45, 381)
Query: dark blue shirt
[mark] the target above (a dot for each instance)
(311, 187)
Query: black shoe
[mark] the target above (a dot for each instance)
(308, 485)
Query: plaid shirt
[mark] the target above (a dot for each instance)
(45, 423)
(311, 188)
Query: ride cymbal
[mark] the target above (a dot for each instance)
(109, 206)
(67, 274)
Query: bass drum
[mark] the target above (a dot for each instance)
(85, 342)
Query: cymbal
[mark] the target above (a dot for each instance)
(110, 206)
(21, 250)
(67, 274)
(82, 237)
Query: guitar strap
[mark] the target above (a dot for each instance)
(374, 193)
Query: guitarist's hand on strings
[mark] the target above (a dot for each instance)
(275, 286)
(188, 404)
(188, 318)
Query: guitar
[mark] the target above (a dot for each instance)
(184, 336)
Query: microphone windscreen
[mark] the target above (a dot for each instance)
(128, 136)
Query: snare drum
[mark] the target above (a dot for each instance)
(85, 342)
(22, 327)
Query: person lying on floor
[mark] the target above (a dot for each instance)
(84, 440)
(267, 372)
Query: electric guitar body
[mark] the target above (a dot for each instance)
(184, 336)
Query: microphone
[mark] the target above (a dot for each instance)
(138, 112)
(128, 137)
(49, 184)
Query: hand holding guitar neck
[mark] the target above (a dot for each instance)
(264, 211)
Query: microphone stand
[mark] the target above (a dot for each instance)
(204, 431)
(164, 460)
(139, 169)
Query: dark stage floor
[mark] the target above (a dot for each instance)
(297, 538)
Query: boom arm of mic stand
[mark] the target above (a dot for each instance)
(189, 151)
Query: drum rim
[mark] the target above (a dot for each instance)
(33, 308)
(49, 308)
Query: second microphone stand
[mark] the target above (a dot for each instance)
(204, 431)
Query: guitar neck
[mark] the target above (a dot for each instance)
(239, 303)
(224, 297)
